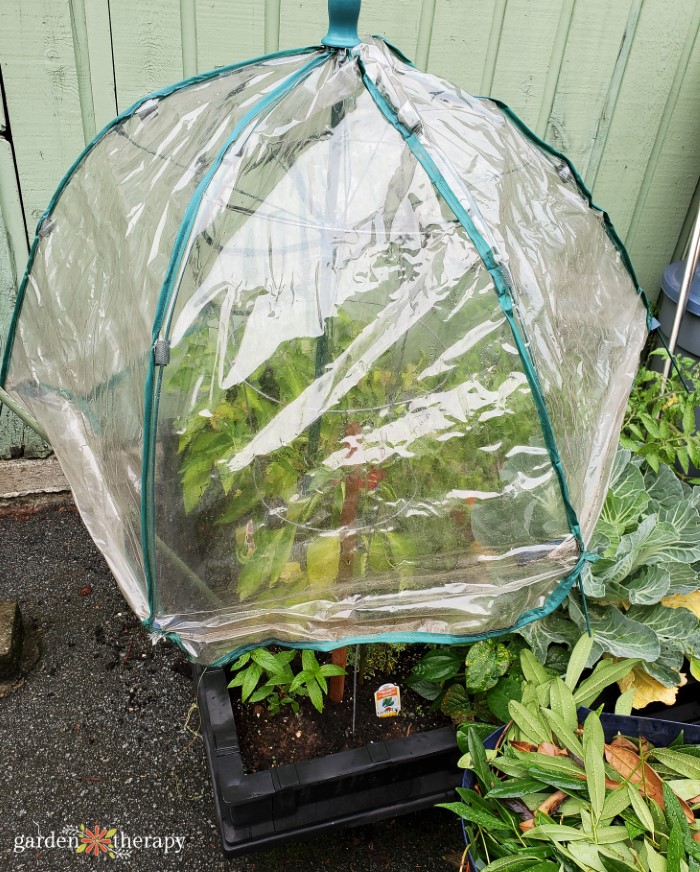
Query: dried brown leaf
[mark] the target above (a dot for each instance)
(549, 807)
(551, 750)
(523, 746)
(629, 764)
(623, 742)
(687, 810)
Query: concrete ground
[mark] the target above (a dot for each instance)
(104, 729)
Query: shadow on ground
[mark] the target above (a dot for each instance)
(104, 730)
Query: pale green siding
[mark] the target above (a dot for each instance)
(613, 83)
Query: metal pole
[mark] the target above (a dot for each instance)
(690, 267)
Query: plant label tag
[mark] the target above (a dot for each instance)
(387, 701)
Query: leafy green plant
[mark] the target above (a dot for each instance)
(555, 795)
(660, 419)
(267, 677)
(311, 681)
(474, 682)
(377, 659)
(641, 592)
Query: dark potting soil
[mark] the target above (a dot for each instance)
(273, 740)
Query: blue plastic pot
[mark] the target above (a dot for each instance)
(659, 733)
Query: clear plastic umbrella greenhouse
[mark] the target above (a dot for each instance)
(330, 352)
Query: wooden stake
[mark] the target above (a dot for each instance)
(336, 683)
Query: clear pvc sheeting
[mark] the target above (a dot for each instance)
(351, 428)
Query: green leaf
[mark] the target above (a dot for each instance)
(529, 724)
(532, 669)
(686, 788)
(610, 835)
(565, 735)
(523, 862)
(438, 666)
(675, 851)
(622, 636)
(674, 812)
(315, 694)
(498, 698)
(607, 672)
(484, 664)
(683, 518)
(429, 690)
(546, 866)
(515, 787)
(322, 560)
(613, 865)
(562, 703)
(475, 816)
(556, 833)
(684, 579)
(623, 704)
(683, 764)
(251, 677)
(260, 694)
(309, 662)
(655, 861)
(329, 669)
(578, 660)
(479, 763)
(457, 704)
(265, 659)
(640, 808)
(300, 679)
(593, 750)
(648, 585)
(615, 803)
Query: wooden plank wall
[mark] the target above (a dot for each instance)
(616, 85)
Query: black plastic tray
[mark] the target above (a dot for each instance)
(268, 808)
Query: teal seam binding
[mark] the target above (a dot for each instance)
(168, 291)
(555, 599)
(123, 116)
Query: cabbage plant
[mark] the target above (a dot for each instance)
(642, 591)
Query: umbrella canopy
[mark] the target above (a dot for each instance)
(329, 351)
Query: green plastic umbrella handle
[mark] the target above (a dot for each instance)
(343, 16)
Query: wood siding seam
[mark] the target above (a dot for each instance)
(272, 25)
(555, 65)
(425, 34)
(497, 21)
(81, 52)
(188, 32)
(600, 138)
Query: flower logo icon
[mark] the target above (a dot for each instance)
(96, 841)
